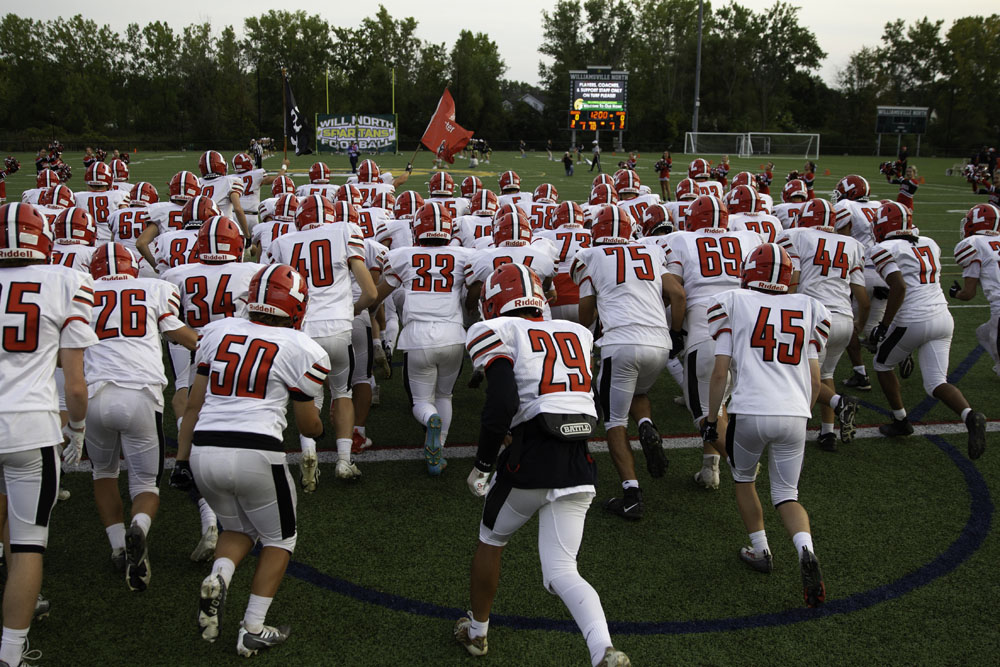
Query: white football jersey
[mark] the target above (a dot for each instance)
(919, 263)
(551, 363)
(328, 190)
(175, 248)
(166, 216)
(539, 213)
(126, 224)
(768, 202)
(395, 234)
(129, 315)
(50, 214)
(456, 206)
(252, 370)
(265, 209)
(219, 190)
(637, 206)
(100, 205)
(371, 220)
(828, 262)
(862, 217)
(73, 255)
(567, 240)
(48, 307)
(432, 277)
(210, 292)
(767, 226)
(123, 186)
(250, 182)
(515, 198)
(678, 212)
(488, 260)
(979, 257)
(771, 338)
(322, 254)
(370, 190)
(468, 229)
(788, 214)
(31, 195)
(627, 281)
(264, 233)
(713, 188)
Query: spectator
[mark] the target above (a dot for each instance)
(662, 168)
(578, 149)
(41, 160)
(903, 155)
(596, 162)
(568, 163)
(522, 146)
(352, 154)
(257, 151)
(548, 148)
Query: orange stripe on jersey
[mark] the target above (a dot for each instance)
(486, 349)
(164, 316)
(720, 316)
(79, 319)
(321, 369)
(84, 301)
(481, 338)
(498, 358)
(85, 289)
(310, 377)
(720, 332)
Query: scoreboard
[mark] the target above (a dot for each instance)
(598, 99)
(901, 120)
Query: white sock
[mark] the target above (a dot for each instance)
(144, 521)
(343, 449)
(965, 413)
(860, 370)
(630, 484)
(899, 415)
(710, 461)
(116, 535)
(835, 401)
(477, 629)
(802, 539)
(825, 428)
(644, 420)
(12, 645)
(584, 605)
(308, 445)
(225, 568)
(758, 541)
(676, 370)
(253, 619)
(360, 430)
(207, 515)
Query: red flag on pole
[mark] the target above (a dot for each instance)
(443, 136)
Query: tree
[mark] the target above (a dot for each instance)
(476, 70)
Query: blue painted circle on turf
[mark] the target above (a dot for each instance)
(971, 538)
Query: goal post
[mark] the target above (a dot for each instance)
(711, 143)
(748, 144)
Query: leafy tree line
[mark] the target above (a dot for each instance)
(171, 86)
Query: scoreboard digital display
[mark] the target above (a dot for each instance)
(901, 120)
(598, 99)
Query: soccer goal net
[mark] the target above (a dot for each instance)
(747, 144)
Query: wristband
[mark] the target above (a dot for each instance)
(78, 425)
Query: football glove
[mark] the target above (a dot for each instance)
(381, 361)
(954, 289)
(182, 478)
(477, 378)
(73, 446)
(478, 482)
(877, 334)
(709, 431)
(677, 339)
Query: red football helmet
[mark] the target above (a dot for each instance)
(59, 196)
(407, 204)
(510, 208)
(279, 290)
(743, 178)
(313, 210)
(24, 233)
(143, 194)
(509, 182)
(602, 179)
(431, 222)
(350, 194)
(211, 163)
(852, 187)
(546, 192)
(184, 186)
(119, 171)
(627, 182)
(74, 226)
(981, 219)
(282, 185)
(816, 213)
(369, 172)
(198, 210)
(706, 212)
(894, 220)
(113, 261)
(285, 208)
(319, 173)
(344, 212)
(744, 199)
(511, 228)
(611, 225)
(567, 213)
(511, 287)
(441, 185)
(767, 268)
(46, 178)
(383, 200)
(483, 203)
(686, 190)
(242, 163)
(793, 189)
(656, 220)
(98, 175)
(699, 169)
(220, 240)
(470, 186)
(603, 194)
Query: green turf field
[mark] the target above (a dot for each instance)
(903, 528)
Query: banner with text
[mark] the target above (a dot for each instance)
(375, 133)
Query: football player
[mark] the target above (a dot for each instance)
(746, 211)
(101, 199)
(46, 321)
(701, 173)
(625, 285)
(432, 338)
(180, 247)
(830, 268)
(630, 197)
(782, 362)
(325, 252)
(793, 196)
(253, 180)
(281, 185)
(539, 209)
(546, 468)
(278, 220)
(370, 181)
(510, 189)
(978, 253)
(470, 185)
(74, 235)
(687, 192)
(125, 380)
(441, 189)
(223, 189)
(119, 175)
(373, 215)
(45, 179)
(569, 236)
(706, 259)
(128, 224)
(747, 178)
(247, 372)
(470, 229)
(166, 216)
(917, 321)
(600, 195)
(319, 183)
(397, 233)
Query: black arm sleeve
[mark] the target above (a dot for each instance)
(498, 411)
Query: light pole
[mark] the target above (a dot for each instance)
(697, 83)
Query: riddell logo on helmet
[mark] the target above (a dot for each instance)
(17, 253)
(526, 302)
(771, 287)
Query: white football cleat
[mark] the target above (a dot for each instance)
(247, 643)
(310, 471)
(614, 658)
(206, 545)
(708, 476)
(346, 469)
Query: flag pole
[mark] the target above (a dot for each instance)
(284, 107)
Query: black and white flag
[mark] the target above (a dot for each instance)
(296, 126)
